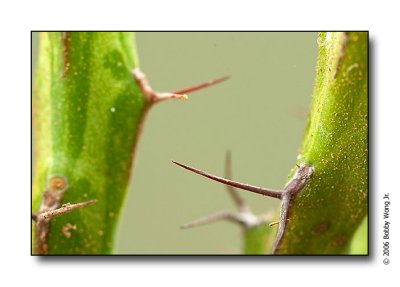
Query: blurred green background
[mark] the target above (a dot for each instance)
(259, 114)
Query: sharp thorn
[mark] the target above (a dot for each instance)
(202, 86)
(255, 189)
(63, 209)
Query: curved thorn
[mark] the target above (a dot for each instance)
(202, 86)
(282, 221)
(252, 188)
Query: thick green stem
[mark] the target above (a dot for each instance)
(325, 215)
(87, 113)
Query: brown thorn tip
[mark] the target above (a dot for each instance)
(202, 86)
(255, 189)
(81, 204)
(91, 201)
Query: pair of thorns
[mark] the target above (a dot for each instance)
(244, 217)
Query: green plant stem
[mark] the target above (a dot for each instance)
(325, 215)
(87, 113)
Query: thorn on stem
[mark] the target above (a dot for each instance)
(298, 182)
(202, 86)
(248, 187)
(154, 96)
(46, 215)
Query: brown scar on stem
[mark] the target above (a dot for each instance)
(65, 39)
(340, 240)
(244, 217)
(298, 182)
(155, 97)
(42, 223)
(56, 186)
(321, 228)
(67, 229)
(342, 53)
(50, 207)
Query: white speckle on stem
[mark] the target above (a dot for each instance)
(328, 37)
(326, 41)
(112, 109)
(351, 67)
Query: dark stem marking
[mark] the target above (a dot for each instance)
(50, 208)
(66, 43)
(299, 181)
(342, 53)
